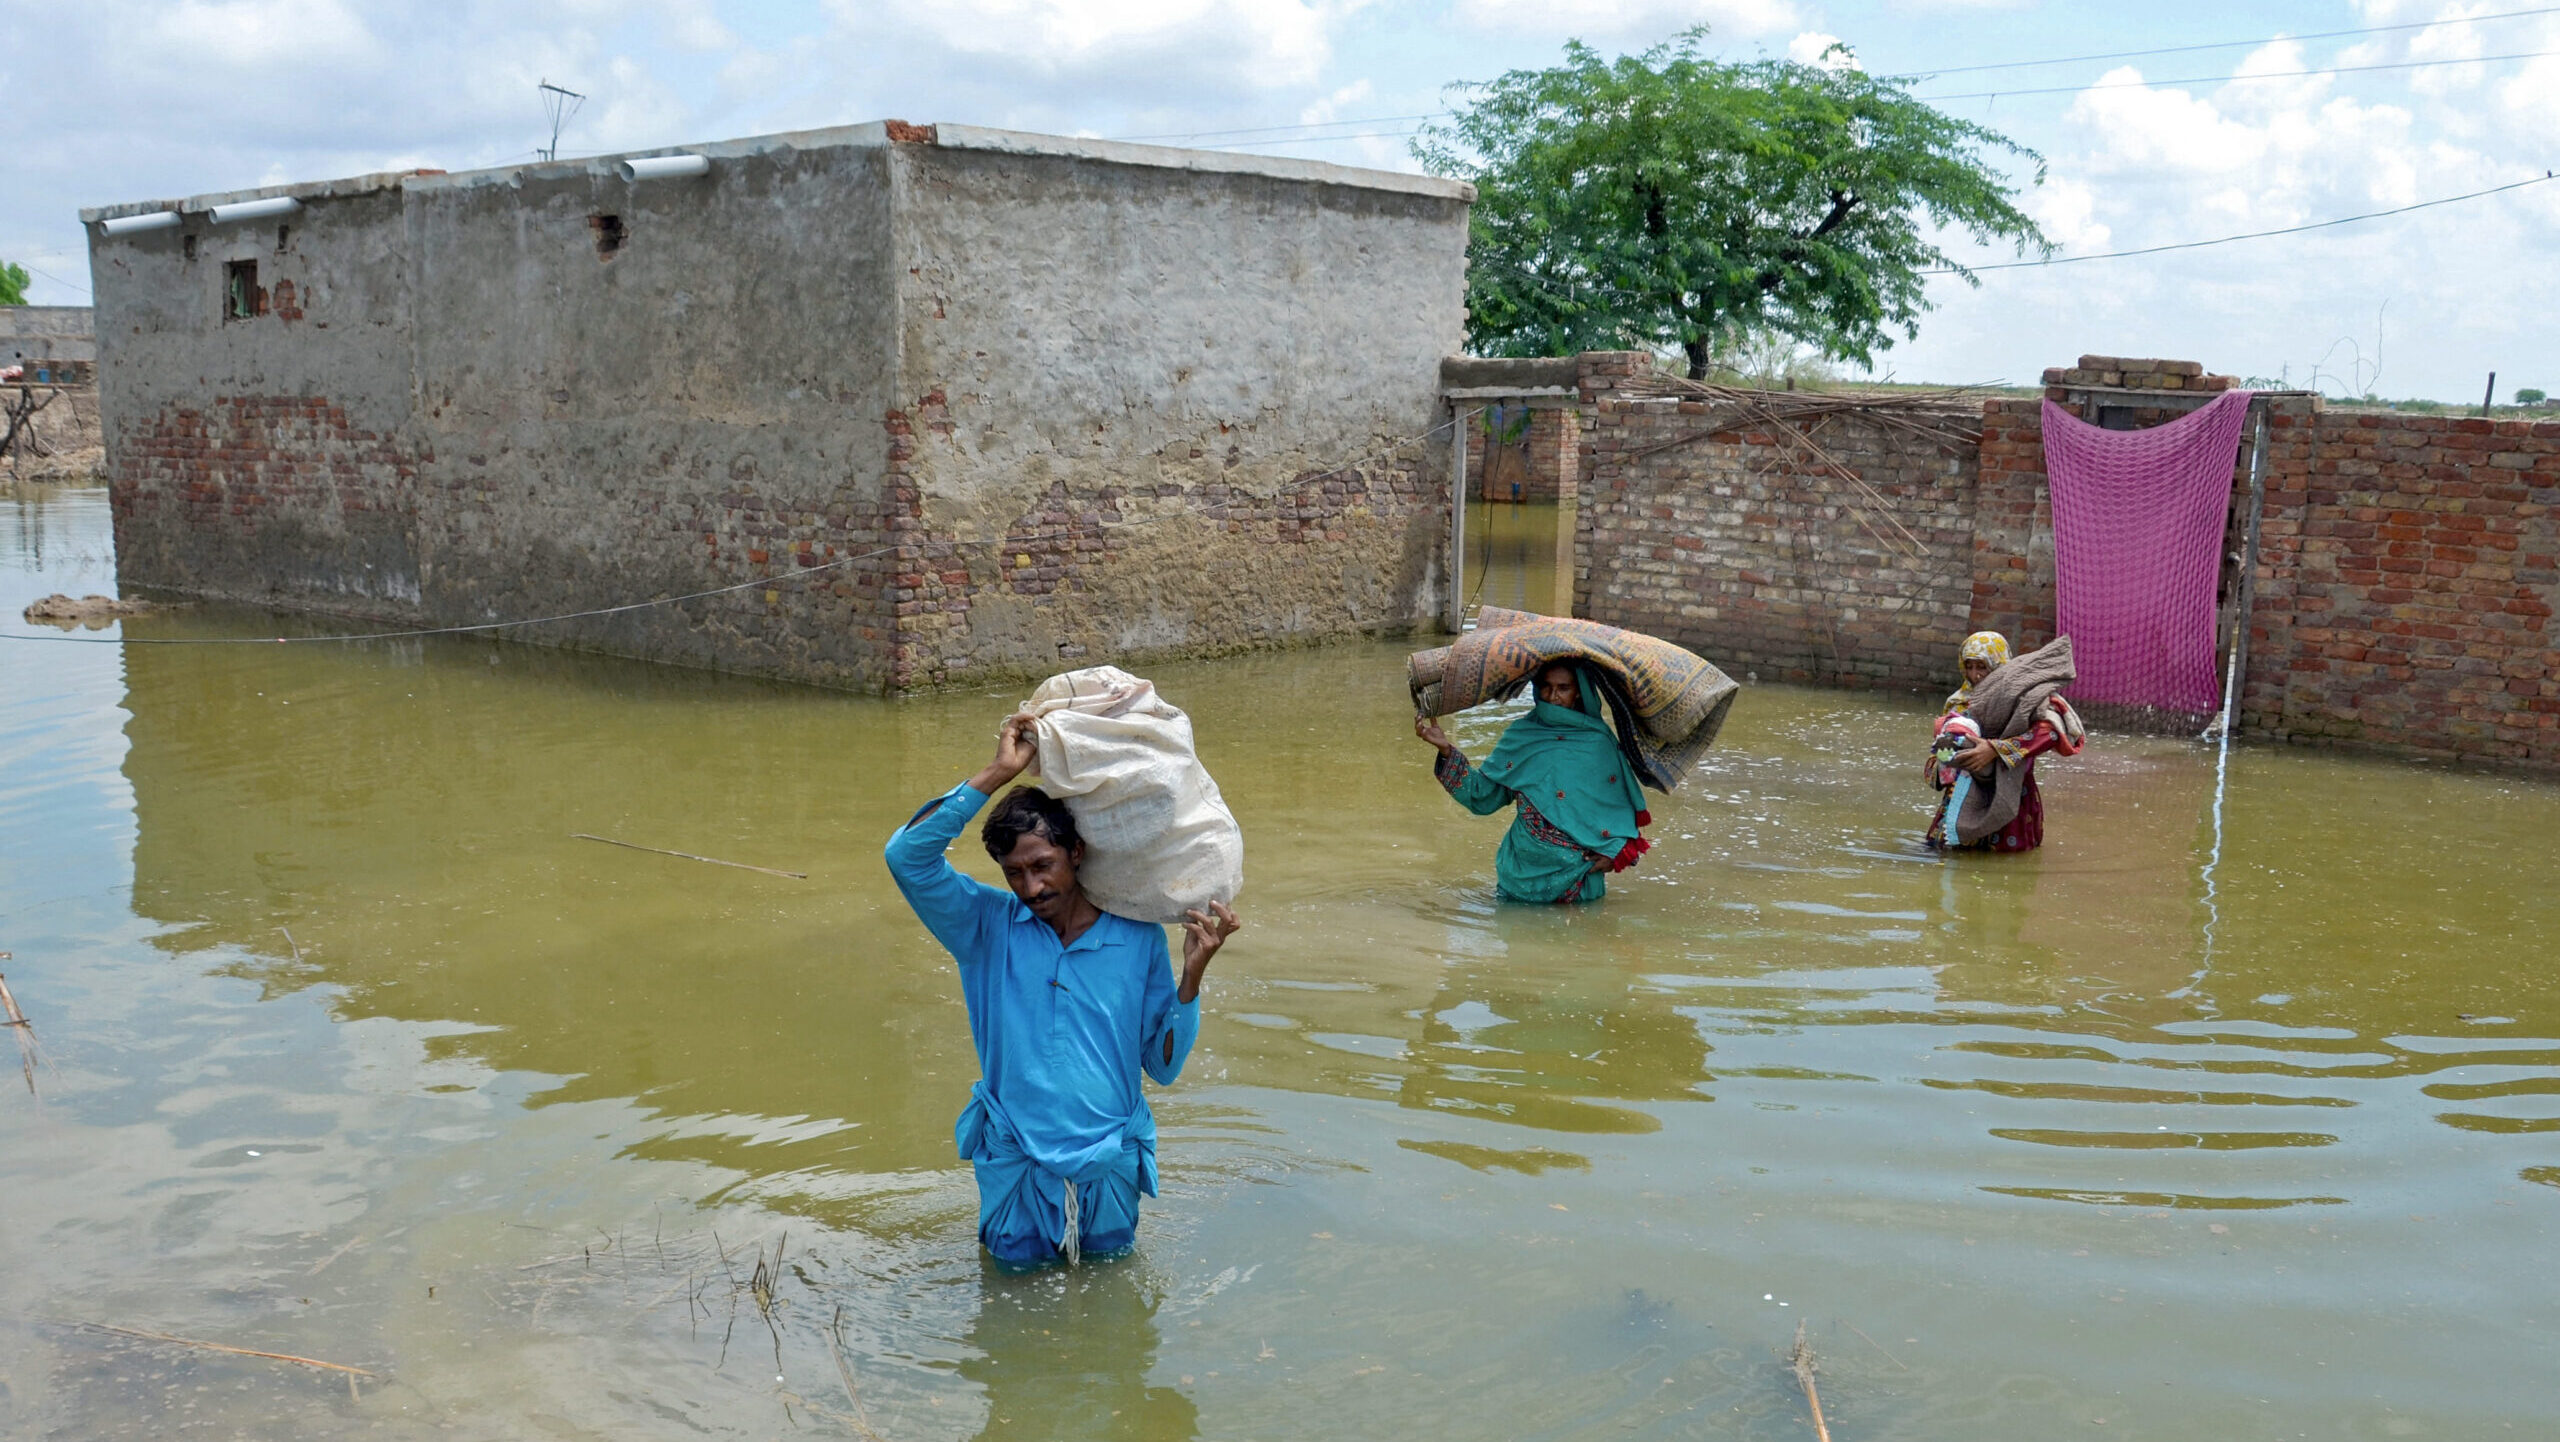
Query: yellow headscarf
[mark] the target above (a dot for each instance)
(1985, 646)
(1988, 646)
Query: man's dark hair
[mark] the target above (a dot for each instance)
(1028, 811)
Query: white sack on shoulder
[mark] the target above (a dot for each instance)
(1158, 837)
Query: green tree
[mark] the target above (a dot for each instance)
(13, 284)
(1669, 200)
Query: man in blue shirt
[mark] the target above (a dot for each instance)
(1067, 1004)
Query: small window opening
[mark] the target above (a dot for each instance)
(608, 229)
(284, 238)
(188, 247)
(240, 290)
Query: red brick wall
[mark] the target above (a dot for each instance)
(1755, 557)
(2407, 577)
(2012, 553)
(1553, 446)
(2408, 565)
(271, 494)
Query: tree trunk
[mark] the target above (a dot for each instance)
(1698, 358)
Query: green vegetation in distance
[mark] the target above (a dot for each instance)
(2529, 396)
(1668, 201)
(13, 283)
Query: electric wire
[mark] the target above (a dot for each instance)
(2543, 179)
(1287, 134)
(2222, 44)
(1259, 129)
(2236, 79)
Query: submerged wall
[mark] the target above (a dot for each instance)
(973, 402)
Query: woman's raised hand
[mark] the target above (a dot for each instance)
(1429, 730)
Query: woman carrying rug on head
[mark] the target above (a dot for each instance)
(1576, 808)
(1989, 734)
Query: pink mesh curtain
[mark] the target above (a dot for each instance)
(2138, 520)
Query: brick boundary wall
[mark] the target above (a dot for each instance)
(1735, 545)
(2407, 573)
(2406, 585)
(1554, 449)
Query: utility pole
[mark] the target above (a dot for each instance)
(2490, 395)
(558, 105)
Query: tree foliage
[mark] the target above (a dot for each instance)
(13, 284)
(1669, 200)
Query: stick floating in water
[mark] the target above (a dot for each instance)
(24, 1029)
(220, 1347)
(688, 856)
(1800, 1361)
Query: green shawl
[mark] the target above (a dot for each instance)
(1569, 766)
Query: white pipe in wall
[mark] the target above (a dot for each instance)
(664, 167)
(149, 220)
(269, 208)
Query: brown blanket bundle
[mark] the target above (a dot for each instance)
(1669, 703)
(2005, 706)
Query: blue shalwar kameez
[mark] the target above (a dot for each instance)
(1062, 1032)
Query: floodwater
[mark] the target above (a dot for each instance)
(356, 1054)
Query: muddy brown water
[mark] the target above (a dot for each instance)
(357, 1055)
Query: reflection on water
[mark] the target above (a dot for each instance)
(1520, 556)
(364, 1058)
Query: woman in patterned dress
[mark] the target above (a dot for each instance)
(2057, 728)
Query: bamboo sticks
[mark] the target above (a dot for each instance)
(1800, 1361)
(21, 1028)
(1792, 417)
(219, 1347)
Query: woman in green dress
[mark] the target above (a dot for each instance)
(1576, 808)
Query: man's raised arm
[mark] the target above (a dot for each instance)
(947, 902)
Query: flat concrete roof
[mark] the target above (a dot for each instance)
(873, 133)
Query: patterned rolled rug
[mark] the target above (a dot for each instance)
(1668, 703)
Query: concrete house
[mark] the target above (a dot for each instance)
(48, 342)
(932, 402)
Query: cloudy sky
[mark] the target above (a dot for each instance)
(117, 100)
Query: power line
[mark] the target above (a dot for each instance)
(58, 280)
(2229, 79)
(2543, 179)
(2222, 44)
(1274, 134)
(1314, 139)
(1260, 129)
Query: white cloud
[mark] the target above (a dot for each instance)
(1287, 32)
(2141, 165)
(2067, 210)
(179, 97)
(2137, 125)
(1619, 19)
(1813, 47)
(294, 33)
